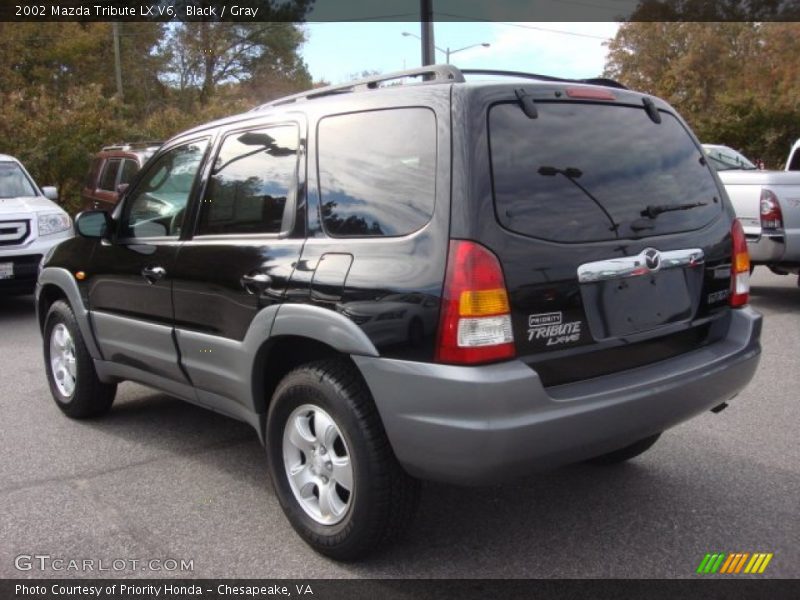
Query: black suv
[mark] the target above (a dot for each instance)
(442, 279)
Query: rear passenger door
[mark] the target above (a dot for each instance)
(246, 242)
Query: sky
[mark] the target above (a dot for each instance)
(336, 51)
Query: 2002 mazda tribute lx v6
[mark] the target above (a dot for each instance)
(452, 280)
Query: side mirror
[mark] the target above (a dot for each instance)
(50, 192)
(94, 224)
(122, 188)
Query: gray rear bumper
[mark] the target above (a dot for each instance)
(475, 425)
(766, 249)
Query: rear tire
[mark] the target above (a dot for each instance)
(626, 453)
(348, 494)
(73, 380)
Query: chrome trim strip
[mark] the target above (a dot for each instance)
(647, 261)
(13, 232)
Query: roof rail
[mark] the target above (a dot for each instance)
(592, 80)
(430, 74)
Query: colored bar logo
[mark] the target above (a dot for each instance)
(735, 563)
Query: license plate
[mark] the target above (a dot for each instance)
(6, 270)
(621, 307)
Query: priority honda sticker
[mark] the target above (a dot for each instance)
(550, 329)
(553, 318)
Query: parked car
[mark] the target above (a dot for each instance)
(30, 225)
(589, 278)
(793, 162)
(768, 205)
(111, 170)
(724, 158)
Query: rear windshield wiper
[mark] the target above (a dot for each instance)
(572, 174)
(653, 210)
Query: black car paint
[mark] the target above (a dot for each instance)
(203, 290)
(540, 276)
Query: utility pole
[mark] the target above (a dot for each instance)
(426, 23)
(117, 62)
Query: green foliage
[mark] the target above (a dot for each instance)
(55, 134)
(58, 94)
(735, 83)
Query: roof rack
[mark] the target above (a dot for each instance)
(592, 80)
(131, 145)
(430, 74)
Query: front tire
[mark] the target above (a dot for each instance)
(333, 470)
(73, 380)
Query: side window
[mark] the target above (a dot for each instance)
(794, 162)
(129, 169)
(158, 203)
(253, 179)
(108, 181)
(377, 172)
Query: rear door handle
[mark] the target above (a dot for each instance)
(256, 283)
(153, 274)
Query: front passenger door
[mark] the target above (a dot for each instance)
(130, 284)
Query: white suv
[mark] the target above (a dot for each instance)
(30, 224)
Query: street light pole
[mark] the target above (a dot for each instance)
(117, 65)
(426, 26)
(447, 52)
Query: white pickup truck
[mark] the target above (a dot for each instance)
(793, 162)
(768, 205)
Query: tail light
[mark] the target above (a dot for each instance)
(475, 325)
(740, 267)
(770, 209)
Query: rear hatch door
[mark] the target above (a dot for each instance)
(609, 226)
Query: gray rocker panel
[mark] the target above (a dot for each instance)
(136, 343)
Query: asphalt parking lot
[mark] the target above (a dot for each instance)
(161, 479)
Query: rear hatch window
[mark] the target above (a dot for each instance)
(587, 172)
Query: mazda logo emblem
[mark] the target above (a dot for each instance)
(652, 258)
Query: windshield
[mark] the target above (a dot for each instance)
(13, 181)
(584, 172)
(727, 159)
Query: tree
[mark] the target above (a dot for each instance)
(260, 56)
(58, 96)
(735, 83)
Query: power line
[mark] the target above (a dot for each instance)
(559, 31)
(600, 6)
(535, 27)
(359, 19)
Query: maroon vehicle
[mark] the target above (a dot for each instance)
(112, 167)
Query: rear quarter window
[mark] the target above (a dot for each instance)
(584, 172)
(377, 172)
